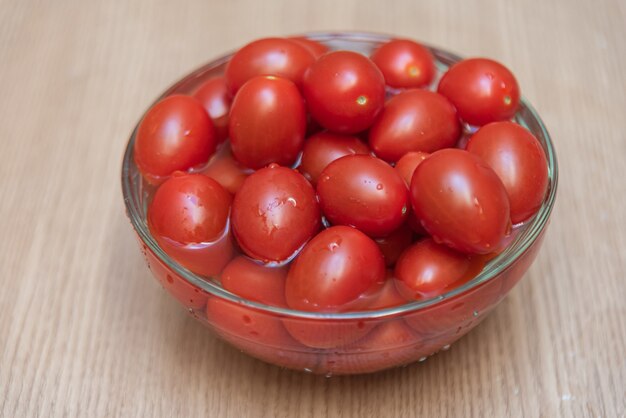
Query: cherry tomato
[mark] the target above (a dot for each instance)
(427, 269)
(323, 148)
(461, 201)
(414, 120)
(267, 122)
(394, 244)
(175, 134)
(405, 64)
(254, 281)
(216, 99)
(224, 169)
(482, 90)
(269, 56)
(407, 164)
(364, 192)
(274, 214)
(188, 217)
(334, 269)
(518, 159)
(316, 48)
(387, 296)
(344, 91)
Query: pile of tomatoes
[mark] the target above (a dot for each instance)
(329, 181)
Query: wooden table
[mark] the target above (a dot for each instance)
(85, 331)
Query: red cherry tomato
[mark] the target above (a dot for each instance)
(225, 170)
(407, 164)
(518, 159)
(334, 270)
(267, 122)
(405, 64)
(175, 134)
(344, 91)
(275, 212)
(427, 269)
(216, 99)
(188, 217)
(461, 201)
(254, 281)
(364, 192)
(414, 120)
(269, 56)
(316, 48)
(482, 90)
(394, 244)
(387, 296)
(323, 148)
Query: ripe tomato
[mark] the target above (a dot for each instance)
(216, 99)
(188, 217)
(482, 90)
(316, 48)
(333, 270)
(344, 91)
(386, 296)
(267, 122)
(414, 120)
(274, 214)
(427, 269)
(518, 159)
(323, 148)
(254, 281)
(175, 134)
(461, 201)
(405, 63)
(269, 56)
(394, 244)
(224, 169)
(407, 164)
(364, 192)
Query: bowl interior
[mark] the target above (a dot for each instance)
(136, 191)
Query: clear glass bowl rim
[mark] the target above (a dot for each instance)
(495, 266)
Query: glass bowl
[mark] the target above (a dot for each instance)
(352, 342)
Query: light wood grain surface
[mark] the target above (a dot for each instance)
(85, 330)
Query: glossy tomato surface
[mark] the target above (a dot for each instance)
(461, 202)
(427, 269)
(414, 120)
(395, 243)
(175, 134)
(364, 192)
(224, 169)
(188, 217)
(335, 269)
(325, 147)
(316, 48)
(251, 280)
(344, 91)
(275, 212)
(519, 160)
(216, 99)
(407, 164)
(269, 56)
(482, 90)
(267, 122)
(405, 63)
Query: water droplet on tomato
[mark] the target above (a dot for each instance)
(379, 186)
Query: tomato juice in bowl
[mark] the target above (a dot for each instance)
(361, 329)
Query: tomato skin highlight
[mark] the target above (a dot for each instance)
(407, 164)
(334, 269)
(482, 90)
(519, 160)
(414, 120)
(269, 56)
(405, 63)
(461, 202)
(267, 122)
(175, 134)
(364, 192)
(275, 212)
(316, 48)
(216, 99)
(344, 91)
